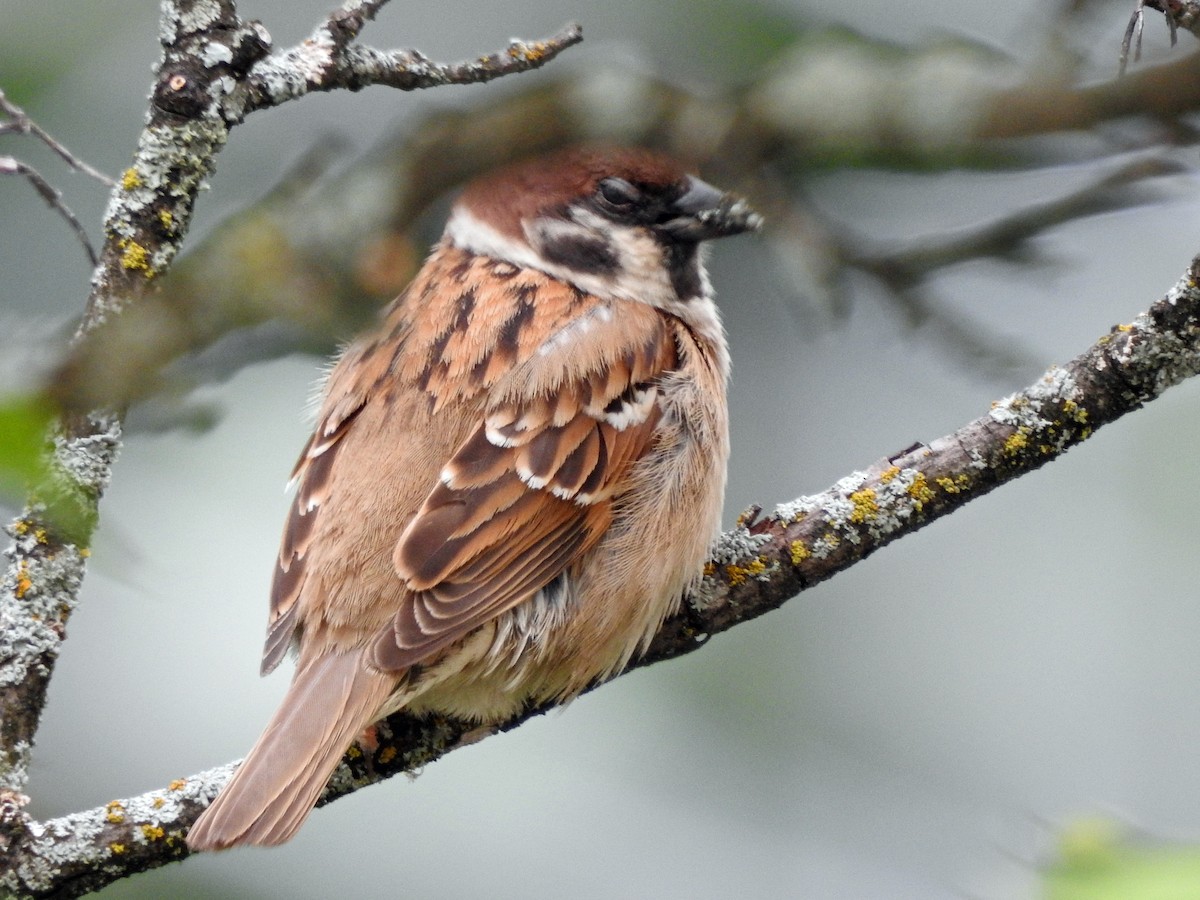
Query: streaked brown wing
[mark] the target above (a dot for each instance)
(532, 489)
(312, 479)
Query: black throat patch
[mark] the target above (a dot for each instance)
(683, 265)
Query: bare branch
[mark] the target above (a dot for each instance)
(1007, 235)
(1133, 36)
(11, 166)
(329, 60)
(21, 123)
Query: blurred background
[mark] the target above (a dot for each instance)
(952, 718)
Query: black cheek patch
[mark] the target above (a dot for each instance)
(683, 264)
(580, 253)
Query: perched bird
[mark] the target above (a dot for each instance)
(512, 480)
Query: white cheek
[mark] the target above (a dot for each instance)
(466, 231)
(640, 275)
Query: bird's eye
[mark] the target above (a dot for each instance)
(618, 194)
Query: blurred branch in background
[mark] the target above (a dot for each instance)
(323, 251)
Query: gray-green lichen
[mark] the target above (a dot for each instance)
(38, 590)
(859, 503)
(735, 557)
(174, 23)
(1169, 357)
(88, 459)
(97, 839)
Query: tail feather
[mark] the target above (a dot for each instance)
(331, 700)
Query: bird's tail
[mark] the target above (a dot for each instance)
(331, 700)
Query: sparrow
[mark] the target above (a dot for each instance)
(513, 479)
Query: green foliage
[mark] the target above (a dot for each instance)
(1097, 865)
(24, 425)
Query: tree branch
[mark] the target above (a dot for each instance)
(20, 123)
(11, 166)
(754, 569)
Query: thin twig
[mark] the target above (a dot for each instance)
(330, 60)
(1004, 236)
(1178, 15)
(1133, 37)
(12, 166)
(22, 124)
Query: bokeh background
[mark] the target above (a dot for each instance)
(928, 724)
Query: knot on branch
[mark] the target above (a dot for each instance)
(228, 48)
(182, 91)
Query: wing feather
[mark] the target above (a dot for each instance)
(312, 474)
(563, 391)
(531, 489)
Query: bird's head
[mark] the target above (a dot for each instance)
(619, 223)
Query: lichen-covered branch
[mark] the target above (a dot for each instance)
(755, 568)
(771, 557)
(329, 60)
(214, 69)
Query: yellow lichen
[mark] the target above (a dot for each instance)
(865, 506)
(24, 582)
(1017, 441)
(710, 570)
(21, 527)
(166, 218)
(920, 491)
(889, 474)
(135, 257)
(177, 785)
(152, 832)
(954, 485)
(41, 536)
(1125, 328)
(386, 755)
(116, 849)
(131, 179)
(738, 574)
(116, 812)
(799, 552)
(158, 802)
(1075, 411)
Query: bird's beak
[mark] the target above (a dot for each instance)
(706, 213)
